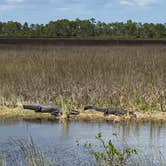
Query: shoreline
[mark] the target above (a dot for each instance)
(19, 113)
(82, 41)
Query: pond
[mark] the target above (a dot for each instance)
(58, 139)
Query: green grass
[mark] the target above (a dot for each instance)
(130, 77)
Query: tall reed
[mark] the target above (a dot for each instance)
(124, 76)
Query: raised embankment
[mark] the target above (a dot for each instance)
(82, 41)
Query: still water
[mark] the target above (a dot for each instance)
(58, 139)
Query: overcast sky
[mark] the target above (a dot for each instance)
(42, 11)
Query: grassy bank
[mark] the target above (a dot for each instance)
(19, 113)
(133, 78)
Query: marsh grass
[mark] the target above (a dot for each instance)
(23, 153)
(130, 77)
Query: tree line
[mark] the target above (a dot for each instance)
(84, 28)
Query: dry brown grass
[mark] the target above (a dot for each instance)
(20, 114)
(129, 77)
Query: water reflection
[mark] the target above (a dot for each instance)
(65, 129)
(59, 137)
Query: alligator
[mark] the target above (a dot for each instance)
(54, 110)
(110, 111)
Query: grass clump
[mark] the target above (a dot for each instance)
(24, 153)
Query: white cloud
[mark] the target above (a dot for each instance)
(141, 3)
(9, 4)
(14, 1)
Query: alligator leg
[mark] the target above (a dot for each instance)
(56, 113)
(74, 112)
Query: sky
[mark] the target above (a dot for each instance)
(43, 11)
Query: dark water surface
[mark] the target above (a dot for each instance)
(58, 139)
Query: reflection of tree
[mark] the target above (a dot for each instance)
(9, 121)
(155, 131)
(65, 129)
(137, 130)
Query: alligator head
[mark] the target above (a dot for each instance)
(88, 107)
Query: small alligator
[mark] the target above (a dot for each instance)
(110, 111)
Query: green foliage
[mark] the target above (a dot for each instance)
(65, 104)
(110, 156)
(83, 28)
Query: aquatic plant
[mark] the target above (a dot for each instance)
(109, 155)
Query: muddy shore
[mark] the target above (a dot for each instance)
(21, 114)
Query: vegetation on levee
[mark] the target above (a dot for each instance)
(84, 28)
(18, 114)
(133, 78)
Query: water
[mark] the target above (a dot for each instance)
(58, 140)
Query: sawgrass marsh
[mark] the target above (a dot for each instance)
(130, 77)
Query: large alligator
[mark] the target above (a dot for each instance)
(54, 110)
(109, 111)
